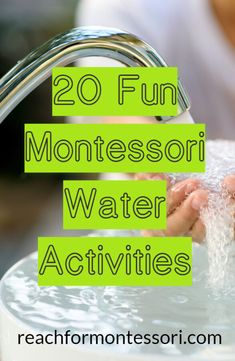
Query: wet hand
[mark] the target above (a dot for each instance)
(229, 184)
(184, 202)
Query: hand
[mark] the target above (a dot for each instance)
(229, 184)
(184, 202)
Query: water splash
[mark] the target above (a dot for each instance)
(120, 309)
(219, 220)
(218, 216)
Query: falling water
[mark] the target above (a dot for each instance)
(218, 216)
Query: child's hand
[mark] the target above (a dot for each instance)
(229, 183)
(184, 201)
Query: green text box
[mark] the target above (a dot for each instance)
(114, 261)
(114, 91)
(84, 148)
(114, 204)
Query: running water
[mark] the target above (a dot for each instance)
(218, 216)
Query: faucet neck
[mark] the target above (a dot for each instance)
(70, 46)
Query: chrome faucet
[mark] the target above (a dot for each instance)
(67, 47)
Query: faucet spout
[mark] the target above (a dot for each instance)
(67, 47)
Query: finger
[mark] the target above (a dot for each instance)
(180, 192)
(229, 184)
(182, 220)
(153, 176)
(198, 231)
(152, 233)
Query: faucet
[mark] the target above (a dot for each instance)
(77, 43)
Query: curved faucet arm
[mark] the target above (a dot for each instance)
(65, 48)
